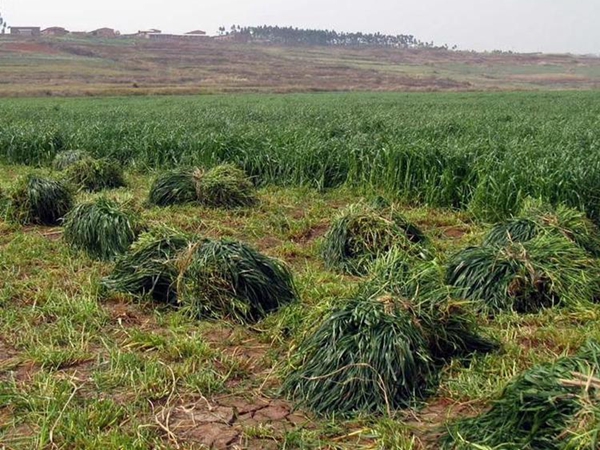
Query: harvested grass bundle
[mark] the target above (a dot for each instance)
(39, 201)
(149, 267)
(368, 356)
(67, 158)
(173, 188)
(583, 432)
(360, 234)
(449, 326)
(227, 279)
(380, 203)
(525, 277)
(550, 407)
(224, 186)
(536, 218)
(95, 174)
(513, 230)
(100, 228)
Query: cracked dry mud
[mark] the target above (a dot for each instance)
(230, 422)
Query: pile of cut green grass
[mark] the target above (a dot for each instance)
(537, 218)
(173, 188)
(552, 406)
(542, 272)
(382, 349)
(95, 174)
(361, 234)
(100, 228)
(451, 328)
(150, 267)
(67, 158)
(228, 279)
(368, 356)
(223, 186)
(3, 202)
(217, 279)
(39, 201)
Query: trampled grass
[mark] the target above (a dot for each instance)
(86, 367)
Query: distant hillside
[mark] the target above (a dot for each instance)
(85, 66)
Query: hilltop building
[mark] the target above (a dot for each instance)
(25, 31)
(104, 33)
(145, 33)
(55, 31)
(193, 35)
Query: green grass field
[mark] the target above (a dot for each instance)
(479, 152)
(82, 368)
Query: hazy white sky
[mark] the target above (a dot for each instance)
(520, 25)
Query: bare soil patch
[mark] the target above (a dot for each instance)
(312, 233)
(457, 232)
(30, 47)
(229, 422)
(428, 424)
(9, 359)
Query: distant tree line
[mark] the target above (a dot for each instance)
(300, 36)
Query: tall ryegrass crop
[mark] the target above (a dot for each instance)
(483, 152)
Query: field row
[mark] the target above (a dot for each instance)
(485, 153)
